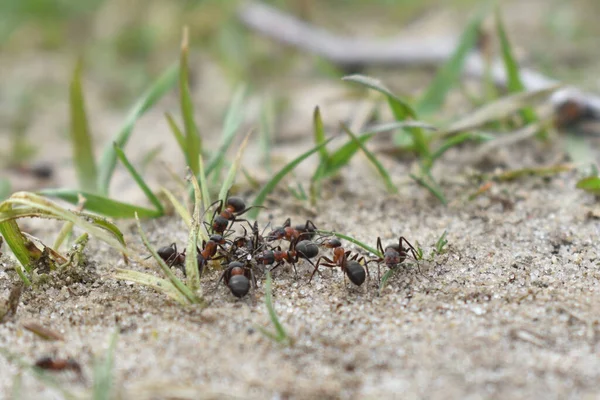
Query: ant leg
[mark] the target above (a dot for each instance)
(410, 246)
(287, 223)
(317, 266)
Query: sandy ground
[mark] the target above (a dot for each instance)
(509, 310)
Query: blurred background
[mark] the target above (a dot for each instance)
(125, 46)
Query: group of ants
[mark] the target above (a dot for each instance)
(244, 253)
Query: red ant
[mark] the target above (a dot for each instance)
(394, 254)
(234, 207)
(237, 278)
(304, 249)
(286, 231)
(170, 255)
(51, 364)
(349, 266)
(174, 258)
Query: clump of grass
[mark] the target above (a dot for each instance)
(280, 335)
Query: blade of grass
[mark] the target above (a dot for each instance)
(5, 188)
(228, 182)
(270, 186)
(181, 210)
(108, 161)
(380, 168)
(179, 136)
(590, 184)
(455, 141)
(83, 156)
(433, 188)
(449, 74)
(193, 144)
(280, 335)
(67, 228)
(267, 126)
(514, 82)
(101, 205)
(180, 286)
(233, 120)
(198, 203)
(103, 372)
(139, 180)
(498, 109)
(319, 132)
(192, 271)
(34, 205)
(18, 244)
(160, 285)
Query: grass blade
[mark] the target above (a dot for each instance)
(514, 82)
(100, 204)
(179, 136)
(351, 240)
(179, 208)
(433, 188)
(180, 286)
(108, 161)
(5, 188)
(103, 372)
(280, 334)
(228, 182)
(449, 74)
(192, 271)
(160, 285)
(233, 119)
(590, 184)
(18, 244)
(380, 168)
(498, 109)
(139, 180)
(455, 141)
(193, 144)
(319, 132)
(270, 186)
(83, 156)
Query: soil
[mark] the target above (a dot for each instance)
(509, 308)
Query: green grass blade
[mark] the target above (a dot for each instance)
(101, 205)
(233, 120)
(180, 286)
(33, 205)
(433, 188)
(267, 126)
(514, 82)
(319, 132)
(108, 161)
(179, 136)
(199, 202)
(179, 208)
(280, 335)
(160, 285)
(351, 240)
(228, 182)
(18, 244)
(449, 74)
(455, 141)
(193, 144)
(380, 168)
(590, 184)
(103, 372)
(270, 186)
(5, 188)
(83, 156)
(139, 180)
(400, 108)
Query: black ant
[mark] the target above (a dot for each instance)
(349, 266)
(171, 256)
(234, 207)
(237, 277)
(288, 233)
(304, 249)
(394, 254)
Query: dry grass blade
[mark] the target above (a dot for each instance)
(228, 182)
(179, 208)
(42, 331)
(159, 284)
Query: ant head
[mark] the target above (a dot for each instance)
(236, 203)
(333, 243)
(219, 239)
(394, 247)
(307, 249)
(356, 272)
(276, 234)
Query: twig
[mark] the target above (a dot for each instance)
(395, 51)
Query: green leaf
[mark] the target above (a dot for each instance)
(590, 184)
(351, 240)
(5, 188)
(432, 186)
(103, 372)
(449, 74)
(83, 156)
(100, 204)
(280, 334)
(109, 158)
(233, 120)
(179, 136)
(139, 180)
(228, 182)
(380, 168)
(270, 186)
(193, 144)
(319, 132)
(18, 244)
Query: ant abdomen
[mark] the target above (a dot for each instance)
(236, 203)
(307, 249)
(239, 285)
(356, 272)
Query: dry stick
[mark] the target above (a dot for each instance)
(394, 51)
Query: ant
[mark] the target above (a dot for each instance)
(52, 364)
(234, 207)
(171, 256)
(394, 254)
(349, 266)
(286, 231)
(237, 277)
(304, 249)
(174, 258)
